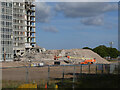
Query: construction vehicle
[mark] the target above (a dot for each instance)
(84, 60)
(57, 57)
(88, 61)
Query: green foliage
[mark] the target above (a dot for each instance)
(113, 52)
(87, 48)
(104, 51)
(101, 50)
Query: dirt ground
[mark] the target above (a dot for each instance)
(14, 64)
(41, 73)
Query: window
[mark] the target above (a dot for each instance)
(3, 49)
(10, 4)
(21, 10)
(3, 16)
(6, 17)
(3, 10)
(2, 23)
(19, 4)
(3, 3)
(15, 3)
(7, 4)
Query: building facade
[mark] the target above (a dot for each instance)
(6, 31)
(17, 28)
(30, 41)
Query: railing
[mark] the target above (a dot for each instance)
(46, 73)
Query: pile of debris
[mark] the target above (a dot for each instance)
(86, 53)
(47, 56)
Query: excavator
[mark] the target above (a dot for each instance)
(84, 60)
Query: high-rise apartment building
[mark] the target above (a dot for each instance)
(17, 28)
(6, 31)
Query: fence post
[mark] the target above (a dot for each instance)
(48, 75)
(80, 68)
(27, 74)
(89, 68)
(74, 77)
(63, 73)
(96, 68)
(102, 68)
(108, 69)
(118, 67)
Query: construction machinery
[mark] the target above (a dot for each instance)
(88, 61)
(57, 57)
(83, 60)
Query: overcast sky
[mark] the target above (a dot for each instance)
(66, 25)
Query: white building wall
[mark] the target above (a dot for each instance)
(6, 41)
(26, 35)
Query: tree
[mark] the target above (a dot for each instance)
(104, 51)
(113, 52)
(87, 48)
(101, 50)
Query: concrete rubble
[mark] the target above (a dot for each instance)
(47, 56)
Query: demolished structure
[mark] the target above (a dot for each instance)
(17, 28)
(78, 56)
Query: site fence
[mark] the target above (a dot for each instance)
(46, 74)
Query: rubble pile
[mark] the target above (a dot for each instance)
(49, 55)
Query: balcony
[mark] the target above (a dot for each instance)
(31, 20)
(31, 31)
(19, 7)
(19, 41)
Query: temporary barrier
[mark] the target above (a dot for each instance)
(28, 86)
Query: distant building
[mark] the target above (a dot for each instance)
(17, 28)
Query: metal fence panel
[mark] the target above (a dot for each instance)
(46, 74)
